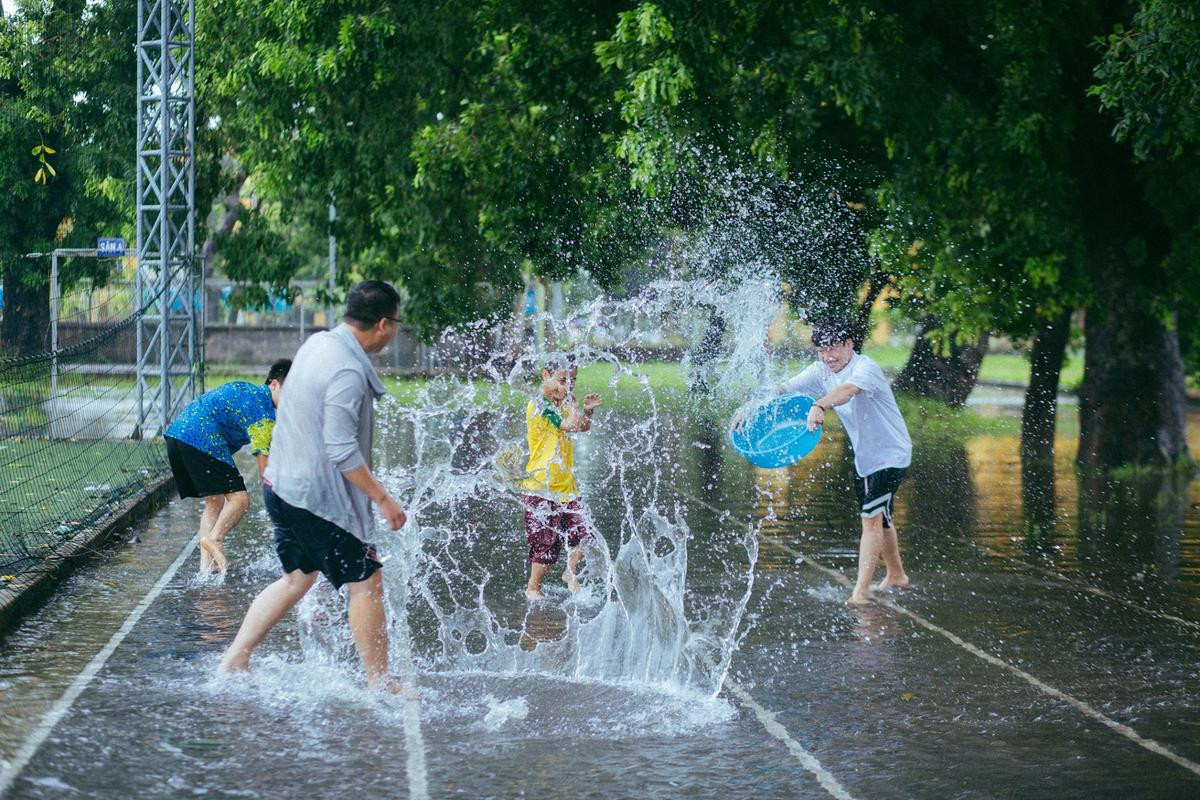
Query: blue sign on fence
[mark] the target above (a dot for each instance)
(110, 246)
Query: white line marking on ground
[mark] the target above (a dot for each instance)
(776, 729)
(1045, 688)
(60, 708)
(414, 741)
(1058, 694)
(418, 777)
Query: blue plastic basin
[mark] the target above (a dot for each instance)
(775, 434)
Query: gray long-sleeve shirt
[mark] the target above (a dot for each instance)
(324, 428)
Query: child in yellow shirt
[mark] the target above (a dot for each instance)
(551, 498)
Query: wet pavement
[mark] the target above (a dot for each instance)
(1047, 649)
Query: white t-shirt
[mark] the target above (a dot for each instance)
(873, 421)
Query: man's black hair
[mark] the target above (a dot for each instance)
(369, 302)
(831, 331)
(279, 370)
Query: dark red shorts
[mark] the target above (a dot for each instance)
(547, 523)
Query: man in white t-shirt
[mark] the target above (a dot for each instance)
(855, 385)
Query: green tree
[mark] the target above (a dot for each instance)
(66, 72)
(319, 100)
(1003, 198)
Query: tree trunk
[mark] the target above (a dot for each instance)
(948, 378)
(208, 250)
(1132, 401)
(1041, 396)
(875, 286)
(26, 326)
(233, 207)
(1037, 430)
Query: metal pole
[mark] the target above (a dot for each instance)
(170, 344)
(138, 287)
(54, 297)
(332, 262)
(195, 331)
(165, 240)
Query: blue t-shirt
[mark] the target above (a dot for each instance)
(224, 420)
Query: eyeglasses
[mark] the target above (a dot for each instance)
(392, 319)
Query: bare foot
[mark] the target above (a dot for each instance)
(533, 594)
(889, 582)
(228, 666)
(571, 581)
(393, 686)
(215, 552)
(858, 600)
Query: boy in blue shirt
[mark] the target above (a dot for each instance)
(200, 446)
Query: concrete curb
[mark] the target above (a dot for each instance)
(25, 593)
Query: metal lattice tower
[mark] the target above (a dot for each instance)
(169, 334)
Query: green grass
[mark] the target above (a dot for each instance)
(932, 419)
(666, 379)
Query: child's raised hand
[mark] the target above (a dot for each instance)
(591, 402)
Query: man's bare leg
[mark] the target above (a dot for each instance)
(208, 518)
(368, 625)
(537, 573)
(568, 576)
(267, 609)
(231, 514)
(869, 548)
(896, 578)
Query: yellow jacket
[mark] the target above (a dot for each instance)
(548, 473)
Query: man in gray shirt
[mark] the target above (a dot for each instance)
(318, 487)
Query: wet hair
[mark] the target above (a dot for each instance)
(369, 302)
(834, 330)
(279, 370)
(565, 361)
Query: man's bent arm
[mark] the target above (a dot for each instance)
(836, 397)
(365, 481)
(839, 395)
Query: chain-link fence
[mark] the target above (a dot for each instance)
(69, 449)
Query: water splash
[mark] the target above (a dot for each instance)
(453, 452)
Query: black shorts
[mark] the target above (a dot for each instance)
(877, 491)
(197, 474)
(309, 543)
